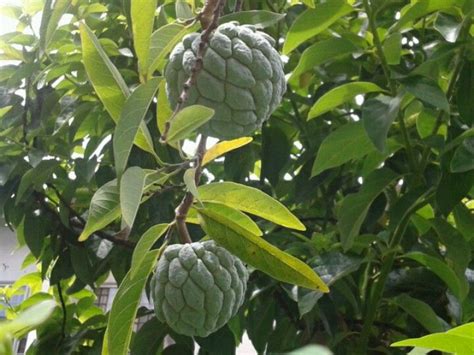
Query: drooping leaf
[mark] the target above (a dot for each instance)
(104, 209)
(163, 41)
(223, 147)
(144, 245)
(133, 112)
(346, 143)
(378, 115)
(250, 200)
(320, 53)
(459, 340)
(314, 21)
(258, 18)
(132, 185)
(442, 270)
(355, 206)
(125, 305)
(235, 215)
(427, 91)
(143, 16)
(108, 84)
(187, 121)
(258, 252)
(421, 312)
(340, 95)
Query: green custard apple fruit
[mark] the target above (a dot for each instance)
(242, 78)
(198, 287)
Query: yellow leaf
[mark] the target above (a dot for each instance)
(224, 147)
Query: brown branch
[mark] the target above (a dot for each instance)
(214, 7)
(238, 5)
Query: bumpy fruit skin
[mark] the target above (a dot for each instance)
(242, 78)
(198, 287)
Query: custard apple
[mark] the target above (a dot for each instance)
(198, 287)
(242, 78)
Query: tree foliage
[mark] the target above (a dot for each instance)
(361, 181)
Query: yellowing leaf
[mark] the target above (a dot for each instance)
(223, 147)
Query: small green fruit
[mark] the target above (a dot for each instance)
(242, 78)
(198, 287)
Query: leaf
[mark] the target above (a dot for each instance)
(235, 215)
(465, 93)
(163, 40)
(422, 313)
(29, 319)
(392, 48)
(125, 305)
(143, 16)
(183, 10)
(340, 95)
(320, 53)
(258, 252)
(346, 143)
(187, 121)
(463, 158)
(355, 206)
(427, 91)
(144, 245)
(133, 112)
(163, 109)
(314, 21)
(108, 83)
(36, 177)
(104, 209)
(448, 26)
(132, 185)
(378, 115)
(259, 18)
(452, 189)
(442, 270)
(459, 340)
(223, 147)
(50, 20)
(250, 200)
(189, 179)
(419, 9)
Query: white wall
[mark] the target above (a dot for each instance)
(11, 258)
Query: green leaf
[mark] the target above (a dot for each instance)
(452, 189)
(355, 206)
(346, 143)
(427, 91)
(163, 109)
(125, 305)
(392, 48)
(320, 53)
(183, 10)
(189, 179)
(419, 9)
(378, 115)
(250, 200)
(422, 313)
(104, 209)
(143, 18)
(163, 40)
(50, 20)
(459, 340)
(259, 18)
(258, 252)
(463, 158)
(144, 245)
(132, 185)
(465, 93)
(36, 177)
(448, 26)
(133, 112)
(314, 21)
(340, 95)
(28, 319)
(235, 215)
(187, 121)
(442, 270)
(108, 83)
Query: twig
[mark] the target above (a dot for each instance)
(214, 7)
(238, 5)
(63, 306)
